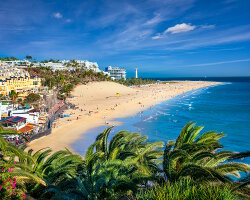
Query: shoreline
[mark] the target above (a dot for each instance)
(98, 106)
(80, 147)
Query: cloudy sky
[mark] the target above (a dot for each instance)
(160, 37)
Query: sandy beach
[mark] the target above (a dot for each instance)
(98, 103)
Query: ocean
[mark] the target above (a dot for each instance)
(223, 108)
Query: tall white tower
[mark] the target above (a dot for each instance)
(136, 74)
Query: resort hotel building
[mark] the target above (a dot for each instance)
(16, 63)
(56, 66)
(116, 73)
(72, 65)
(18, 80)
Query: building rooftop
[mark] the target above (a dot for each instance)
(15, 119)
(27, 129)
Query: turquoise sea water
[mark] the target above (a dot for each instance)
(224, 108)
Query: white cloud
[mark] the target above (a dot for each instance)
(233, 35)
(155, 20)
(58, 15)
(219, 63)
(207, 26)
(158, 36)
(180, 28)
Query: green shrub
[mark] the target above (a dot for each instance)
(185, 190)
(135, 81)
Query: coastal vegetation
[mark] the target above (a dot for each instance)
(136, 81)
(13, 95)
(128, 166)
(31, 98)
(187, 189)
(8, 58)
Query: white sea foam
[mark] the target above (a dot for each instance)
(147, 119)
(162, 113)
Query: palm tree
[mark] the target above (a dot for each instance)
(40, 173)
(7, 131)
(51, 170)
(49, 81)
(9, 156)
(13, 96)
(28, 57)
(121, 165)
(19, 101)
(198, 157)
(114, 167)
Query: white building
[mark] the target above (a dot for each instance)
(31, 117)
(11, 71)
(56, 66)
(6, 109)
(116, 72)
(19, 118)
(17, 63)
(15, 123)
(86, 64)
(92, 66)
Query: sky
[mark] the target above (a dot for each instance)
(162, 38)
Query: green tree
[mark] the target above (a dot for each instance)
(41, 173)
(52, 60)
(52, 172)
(32, 98)
(119, 166)
(49, 81)
(13, 96)
(197, 156)
(7, 131)
(19, 101)
(127, 163)
(28, 57)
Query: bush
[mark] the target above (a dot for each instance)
(187, 190)
(32, 97)
(135, 81)
(8, 185)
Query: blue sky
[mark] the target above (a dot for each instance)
(160, 37)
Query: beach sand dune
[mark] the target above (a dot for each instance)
(98, 103)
